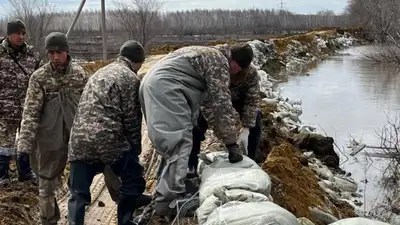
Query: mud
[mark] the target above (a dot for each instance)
(323, 147)
(271, 134)
(18, 202)
(294, 187)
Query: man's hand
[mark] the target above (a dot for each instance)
(244, 139)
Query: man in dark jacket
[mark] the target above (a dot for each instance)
(18, 60)
(107, 132)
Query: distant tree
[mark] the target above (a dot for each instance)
(140, 18)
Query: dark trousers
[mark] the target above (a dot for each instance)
(81, 177)
(199, 136)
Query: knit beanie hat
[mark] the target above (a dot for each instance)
(242, 54)
(133, 51)
(14, 26)
(56, 41)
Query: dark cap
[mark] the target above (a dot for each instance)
(56, 41)
(242, 54)
(14, 26)
(133, 51)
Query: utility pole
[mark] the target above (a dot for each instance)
(103, 25)
(103, 28)
(76, 18)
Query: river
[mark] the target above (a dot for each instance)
(347, 96)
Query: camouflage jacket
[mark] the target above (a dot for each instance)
(109, 117)
(213, 66)
(44, 86)
(13, 80)
(245, 92)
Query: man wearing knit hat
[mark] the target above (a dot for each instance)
(50, 105)
(245, 93)
(171, 93)
(18, 60)
(107, 132)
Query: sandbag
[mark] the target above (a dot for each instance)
(358, 221)
(222, 175)
(255, 213)
(225, 196)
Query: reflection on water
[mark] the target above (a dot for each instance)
(350, 96)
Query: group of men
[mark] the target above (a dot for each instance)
(60, 113)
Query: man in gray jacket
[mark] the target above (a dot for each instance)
(171, 93)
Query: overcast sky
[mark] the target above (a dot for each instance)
(299, 6)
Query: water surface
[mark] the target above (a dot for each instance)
(349, 96)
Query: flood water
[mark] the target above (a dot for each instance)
(348, 96)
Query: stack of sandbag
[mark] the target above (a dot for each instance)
(237, 194)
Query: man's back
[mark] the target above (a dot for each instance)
(99, 133)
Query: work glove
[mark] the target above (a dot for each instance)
(235, 155)
(244, 139)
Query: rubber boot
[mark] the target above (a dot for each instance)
(4, 168)
(24, 168)
(255, 137)
(126, 207)
(143, 200)
(235, 155)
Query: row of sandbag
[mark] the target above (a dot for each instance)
(239, 194)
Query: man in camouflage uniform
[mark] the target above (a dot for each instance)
(107, 132)
(50, 105)
(18, 60)
(245, 92)
(171, 93)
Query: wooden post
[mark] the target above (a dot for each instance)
(103, 28)
(76, 18)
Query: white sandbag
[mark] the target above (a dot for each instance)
(256, 213)
(220, 198)
(304, 221)
(322, 216)
(220, 160)
(222, 175)
(395, 220)
(358, 221)
(206, 208)
(345, 184)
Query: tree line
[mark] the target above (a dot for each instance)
(143, 20)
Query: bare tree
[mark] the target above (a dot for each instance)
(140, 18)
(388, 206)
(382, 19)
(37, 16)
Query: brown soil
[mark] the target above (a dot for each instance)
(18, 204)
(271, 134)
(294, 187)
(345, 209)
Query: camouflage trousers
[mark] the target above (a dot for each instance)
(49, 166)
(8, 131)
